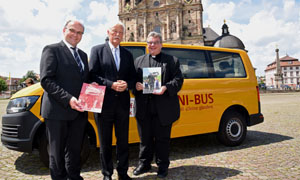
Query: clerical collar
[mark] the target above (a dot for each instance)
(156, 57)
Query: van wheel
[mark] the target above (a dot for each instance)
(44, 150)
(233, 129)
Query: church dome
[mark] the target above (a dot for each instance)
(226, 40)
(229, 41)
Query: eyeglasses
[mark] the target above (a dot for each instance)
(153, 43)
(75, 32)
(116, 32)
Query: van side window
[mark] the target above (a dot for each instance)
(193, 63)
(136, 51)
(227, 65)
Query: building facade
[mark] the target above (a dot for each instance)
(289, 72)
(179, 21)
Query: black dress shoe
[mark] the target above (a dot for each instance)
(141, 169)
(124, 177)
(162, 173)
(107, 178)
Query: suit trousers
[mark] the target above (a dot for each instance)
(154, 137)
(65, 140)
(119, 118)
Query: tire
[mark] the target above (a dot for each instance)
(233, 129)
(44, 150)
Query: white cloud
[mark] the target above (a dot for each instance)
(27, 26)
(217, 12)
(264, 26)
(99, 12)
(103, 15)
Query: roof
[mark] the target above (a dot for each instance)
(288, 58)
(229, 41)
(285, 61)
(285, 58)
(209, 34)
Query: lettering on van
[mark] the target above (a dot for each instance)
(196, 102)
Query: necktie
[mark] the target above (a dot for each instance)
(78, 60)
(116, 59)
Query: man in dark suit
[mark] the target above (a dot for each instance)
(63, 69)
(156, 112)
(112, 66)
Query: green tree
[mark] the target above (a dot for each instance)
(29, 74)
(3, 86)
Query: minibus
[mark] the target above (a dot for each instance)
(219, 95)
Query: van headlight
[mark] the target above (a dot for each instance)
(21, 104)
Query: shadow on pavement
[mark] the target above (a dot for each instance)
(194, 172)
(29, 163)
(181, 148)
(207, 144)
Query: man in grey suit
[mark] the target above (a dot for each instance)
(156, 112)
(112, 65)
(63, 70)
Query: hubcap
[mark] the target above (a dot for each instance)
(234, 129)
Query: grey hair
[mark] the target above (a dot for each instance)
(155, 35)
(118, 23)
(69, 21)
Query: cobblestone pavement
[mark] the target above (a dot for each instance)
(270, 151)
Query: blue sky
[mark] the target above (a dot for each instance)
(27, 27)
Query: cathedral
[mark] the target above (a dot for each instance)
(179, 21)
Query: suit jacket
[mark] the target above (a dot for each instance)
(103, 71)
(61, 79)
(167, 104)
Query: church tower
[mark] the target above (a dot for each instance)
(179, 21)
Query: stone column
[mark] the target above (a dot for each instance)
(124, 35)
(178, 23)
(145, 26)
(168, 25)
(121, 6)
(136, 27)
(278, 75)
(199, 23)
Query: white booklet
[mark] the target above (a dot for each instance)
(151, 80)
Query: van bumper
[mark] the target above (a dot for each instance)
(256, 119)
(18, 131)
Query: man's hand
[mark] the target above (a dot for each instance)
(139, 86)
(94, 83)
(119, 86)
(74, 103)
(162, 90)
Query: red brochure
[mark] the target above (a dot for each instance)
(91, 97)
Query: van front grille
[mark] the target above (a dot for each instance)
(9, 130)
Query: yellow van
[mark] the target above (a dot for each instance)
(219, 95)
